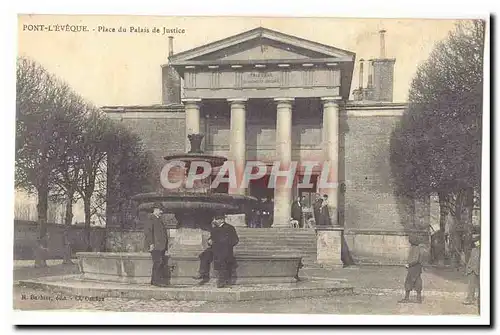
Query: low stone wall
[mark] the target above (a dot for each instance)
(125, 241)
(366, 246)
(381, 247)
(26, 237)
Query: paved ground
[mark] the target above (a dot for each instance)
(377, 291)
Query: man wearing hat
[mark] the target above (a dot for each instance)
(413, 277)
(472, 271)
(156, 240)
(223, 238)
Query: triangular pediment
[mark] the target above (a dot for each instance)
(260, 44)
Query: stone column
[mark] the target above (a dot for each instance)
(331, 153)
(192, 107)
(282, 193)
(237, 143)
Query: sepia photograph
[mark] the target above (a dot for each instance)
(256, 165)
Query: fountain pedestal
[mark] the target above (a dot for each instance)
(184, 249)
(194, 208)
(236, 220)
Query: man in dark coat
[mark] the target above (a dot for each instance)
(267, 213)
(413, 278)
(156, 241)
(317, 209)
(297, 211)
(223, 238)
(324, 212)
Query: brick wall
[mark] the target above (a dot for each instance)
(369, 201)
(383, 79)
(162, 136)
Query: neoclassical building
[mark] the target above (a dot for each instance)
(267, 96)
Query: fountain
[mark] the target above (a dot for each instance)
(260, 275)
(194, 209)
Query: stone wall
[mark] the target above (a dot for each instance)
(162, 130)
(377, 221)
(26, 236)
(369, 200)
(382, 247)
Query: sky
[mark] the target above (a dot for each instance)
(123, 68)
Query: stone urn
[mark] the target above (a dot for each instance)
(195, 140)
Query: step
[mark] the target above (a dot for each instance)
(278, 242)
(276, 238)
(276, 234)
(296, 243)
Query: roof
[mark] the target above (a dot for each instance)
(264, 36)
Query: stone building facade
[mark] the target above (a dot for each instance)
(267, 96)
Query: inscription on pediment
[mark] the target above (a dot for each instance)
(261, 79)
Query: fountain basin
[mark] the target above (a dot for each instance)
(135, 268)
(174, 202)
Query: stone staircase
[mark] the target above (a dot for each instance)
(278, 241)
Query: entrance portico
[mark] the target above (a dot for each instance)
(260, 65)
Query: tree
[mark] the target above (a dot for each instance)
(437, 147)
(68, 170)
(131, 170)
(95, 143)
(40, 104)
(62, 148)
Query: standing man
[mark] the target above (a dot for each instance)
(413, 277)
(324, 212)
(223, 239)
(472, 272)
(156, 239)
(317, 209)
(297, 211)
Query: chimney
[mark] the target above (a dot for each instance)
(383, 74)
(370, 74)
(170, 46)
(382, 43)
(361, 73)
(171, 81)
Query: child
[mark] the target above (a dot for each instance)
(413, 278)
(472, 272)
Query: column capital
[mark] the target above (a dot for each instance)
(284, 101)
(237, 101)
(191, 101)
(330, 101)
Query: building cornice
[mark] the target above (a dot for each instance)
(350, 108)
(171, 108)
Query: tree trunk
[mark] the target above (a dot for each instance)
(41, 252)
(463, 224)
(68, 220)
(443, 214)
(86, 208)
(467, 220)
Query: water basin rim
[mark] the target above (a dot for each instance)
(243, 256)
(180, 196)
(193, 155)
